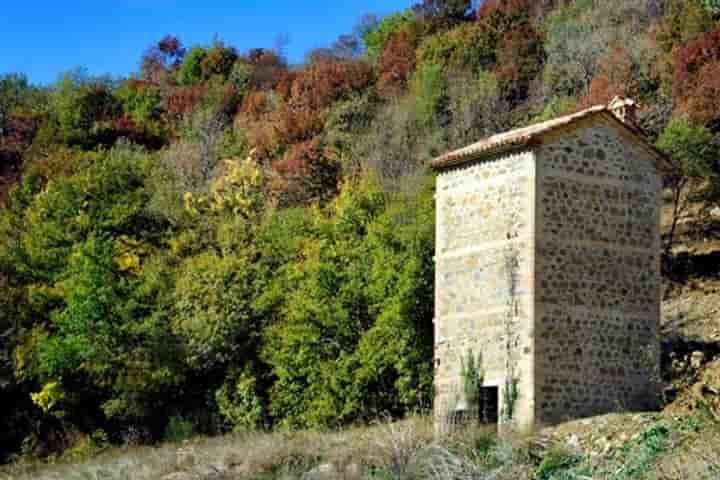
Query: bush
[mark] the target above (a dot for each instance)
(467, 47)
(239, 403)
(555, 462)
(178, 429)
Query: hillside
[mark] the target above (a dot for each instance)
(680, 441)
(223, 242)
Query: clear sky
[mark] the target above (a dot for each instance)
(43, 38)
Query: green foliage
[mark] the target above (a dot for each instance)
(556, 107)
(471, 376)
(212, 308)
(240, 77)
(86, 447)
(685, 21)
(201, 64)
(179, 429)
(555, 462)
(353, 330)
(345, 123)
(140, 101)
(80, 110)
(689, 146)
(566, 69)
(640, 454)
(293, 288)
(238, 401)
(712, 6)
(510, 395)
(190, 71)
(428, 86)
(469, 46)
(376, 39)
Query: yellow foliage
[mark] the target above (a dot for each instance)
(24, 353)
(130, 254)
(238, 191)
(51, 394)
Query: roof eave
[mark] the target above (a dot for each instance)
(446, 162)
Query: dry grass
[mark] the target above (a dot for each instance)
(405, 450)
(386, 450)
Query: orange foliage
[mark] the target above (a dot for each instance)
(306, 174)
(255, 104)
(696, 86)
(325, 81)
(397, 62)
(183, 100)
(703, 105)
(303, 95)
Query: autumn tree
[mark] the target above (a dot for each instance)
(162, 58)
(696, 85)
(397, 61)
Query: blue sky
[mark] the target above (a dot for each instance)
(43, 38)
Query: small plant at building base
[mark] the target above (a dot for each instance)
(472, 376)
(512, 267)
(510, 394)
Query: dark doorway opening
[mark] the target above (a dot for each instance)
(489, 405)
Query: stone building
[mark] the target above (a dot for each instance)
(548, 268)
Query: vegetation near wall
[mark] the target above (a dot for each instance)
(224, 242)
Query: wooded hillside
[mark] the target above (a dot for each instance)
(224, 241)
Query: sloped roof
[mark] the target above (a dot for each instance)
(533, 135)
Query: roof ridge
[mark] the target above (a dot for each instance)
(531, 134)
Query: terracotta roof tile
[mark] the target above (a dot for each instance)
(533, 134)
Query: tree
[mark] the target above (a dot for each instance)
(353, 329)
(689, 146)
(162, 58)
(468, 47)
(695, 82)
(190, 71)
(397, 61)
(444, 12)
(376, 38)
(577, 37)
(82, 109)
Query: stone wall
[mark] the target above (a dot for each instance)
(597, 275)
(484, 260)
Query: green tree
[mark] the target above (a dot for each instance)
(352, 337)
(690, 147)
(190, 71)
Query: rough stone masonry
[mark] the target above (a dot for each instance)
(548, 269)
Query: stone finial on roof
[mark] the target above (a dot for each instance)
(625, 109)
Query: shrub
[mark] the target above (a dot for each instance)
(190, 71)
(178, 429)
(554, 462)
(238, 401)
(469, 46)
